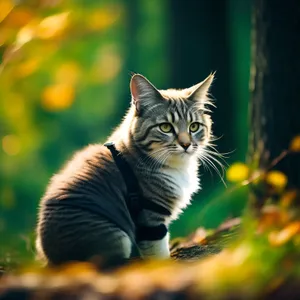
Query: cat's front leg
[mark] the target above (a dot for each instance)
(156, 248)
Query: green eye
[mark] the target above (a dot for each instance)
(165, 127)
(194, 127)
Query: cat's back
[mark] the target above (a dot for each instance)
(84, 197)
(86, 166)
(89, 181)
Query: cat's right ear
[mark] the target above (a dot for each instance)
(143, 92)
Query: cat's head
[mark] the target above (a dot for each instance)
(171, 123)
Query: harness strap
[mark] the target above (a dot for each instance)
(135, 200)
(151, 233)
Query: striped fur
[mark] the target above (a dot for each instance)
(166, 164)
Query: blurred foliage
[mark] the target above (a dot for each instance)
(65, 67)
(295, 144)
(64, 74)
(237, 172)
(261, 263)
(59, 87)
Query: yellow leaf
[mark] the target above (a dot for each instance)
(58, 97)
(19, 17)
(278, 238)
(6, 7)
(295, 144)
(276, 179)
(6, 35)
(68, 72)
(53, 26)
(26, 34)
(11, 144)
(237, 172)
(28, 67)
(103, 18)
(107, 65)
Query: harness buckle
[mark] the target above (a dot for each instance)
(109, 144)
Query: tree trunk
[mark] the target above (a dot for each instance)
(275, 85)
(199, 45)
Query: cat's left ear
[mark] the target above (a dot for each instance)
(200, 91)
(143, 92)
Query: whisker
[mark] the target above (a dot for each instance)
(217, 155)
(210, 163)
(215, 160)
(206, 166)
(146, 159)
(212, 158)
(157, 159)
(212, 146)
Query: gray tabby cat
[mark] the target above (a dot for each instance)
(83, 214)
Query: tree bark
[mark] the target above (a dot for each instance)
(275, 86)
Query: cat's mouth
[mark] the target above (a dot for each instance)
(184, 153)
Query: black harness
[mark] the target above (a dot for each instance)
(135, 201)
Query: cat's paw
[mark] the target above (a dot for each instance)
(155, 249)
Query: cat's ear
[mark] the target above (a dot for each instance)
(200, 91)
(143, 92)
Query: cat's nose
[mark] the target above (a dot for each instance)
(184, 140)
(185, 146)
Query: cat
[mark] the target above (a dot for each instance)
(84, 214)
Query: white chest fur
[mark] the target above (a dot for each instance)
(185, 175)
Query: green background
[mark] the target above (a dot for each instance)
(173, 43)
